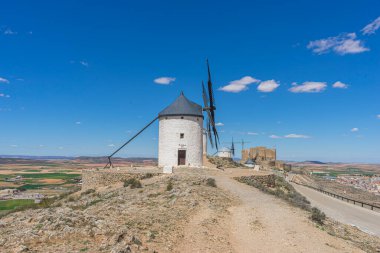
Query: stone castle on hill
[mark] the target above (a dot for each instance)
(265, 157)
(259, 154)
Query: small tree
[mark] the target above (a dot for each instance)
(169, 186)
(210, 182)
(133, 183)
(317, 215)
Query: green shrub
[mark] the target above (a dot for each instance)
(147, 175)
(133, 183)
(87, 192)
(282, 189)
(210, 182)
(71, 199)
(169, 186)
(46, 202)
(317, 216)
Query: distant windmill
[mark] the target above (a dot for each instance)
(232, 148)
(242, 142)
(182, 141)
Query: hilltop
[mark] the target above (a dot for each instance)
(181, 212)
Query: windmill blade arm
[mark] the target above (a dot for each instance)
(131, 139)
(209, 132)
(209, 86)
(204, 95)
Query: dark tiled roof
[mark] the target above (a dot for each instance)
(250, 161)
(182, 107)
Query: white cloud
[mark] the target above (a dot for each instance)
(340, 85)
(111, 145)
(252, 133)
(309, 87)
(3, 80)
(371, 27)
(78, 123)
(378, 116)
(164, 80)
(301, 136)
(84, 63)
(14, 146)
(268, 86)
(345, 43)
(290, 136)
(239, 85)
(355, 129)
(60, 147)
(4, 96)
(9, 31)
(219, 124)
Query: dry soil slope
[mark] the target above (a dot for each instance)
(258, 223)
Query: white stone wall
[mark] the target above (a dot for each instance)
(224, 153)
(204, 142)
(169, 143)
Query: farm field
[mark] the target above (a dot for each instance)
(334, 169)
(49, 177)
(12, 204)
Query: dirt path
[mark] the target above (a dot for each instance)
(260, 223)
(206, 233)
(364, 219)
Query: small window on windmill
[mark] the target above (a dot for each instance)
(181, 135)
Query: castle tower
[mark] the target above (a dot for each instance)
(181, 134)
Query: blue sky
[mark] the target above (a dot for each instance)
(80, 77)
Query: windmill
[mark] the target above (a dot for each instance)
(242, 142)
(232, 148)
(185, 119)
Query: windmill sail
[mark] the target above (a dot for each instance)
(233, 147)
(209, 107)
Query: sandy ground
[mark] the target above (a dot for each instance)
(364, 219)
(257, 223)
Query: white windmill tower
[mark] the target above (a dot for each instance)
(182, 138)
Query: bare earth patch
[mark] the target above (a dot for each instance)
(51, 181)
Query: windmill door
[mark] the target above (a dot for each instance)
(181, 157)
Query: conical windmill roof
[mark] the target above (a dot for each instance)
(182, 107)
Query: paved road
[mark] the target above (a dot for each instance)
(364, 219)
